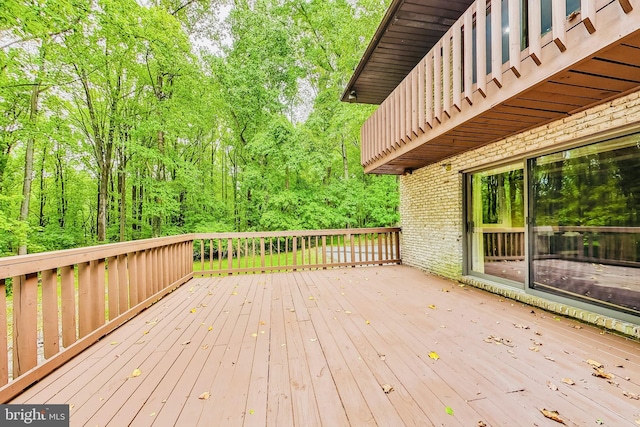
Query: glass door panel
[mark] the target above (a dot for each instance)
(496, 223)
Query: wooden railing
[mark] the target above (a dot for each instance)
(296, 250)
(452, 84)
(503, 244)
(59, 303)
(602, 245)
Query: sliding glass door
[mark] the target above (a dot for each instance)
(495, 221)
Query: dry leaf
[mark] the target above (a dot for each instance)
(210, 328)
(631, 395)
(153, 414)
(568, 381)
(387, 388)
(145, 332)
(234, 293)
(254, 335)
(136, 373)
(595, 364)
(311, 298)
(432, 306)
(313, 339)
(204, 396)
(602, 374)
(534, 349)
(367, 322)
(382, 356)
(638, 421)
(550, 358)
(520, 326)
(434, 355)
(186, 342)
(347, 312)
(193, 310)
(577, 327)
(552, 415)
(251, 412)
(114, 342)
(481, 424)
(538, 333)
(206, 346)
(552, 386)
(262, 322)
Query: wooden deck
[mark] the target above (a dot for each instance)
(315, 348)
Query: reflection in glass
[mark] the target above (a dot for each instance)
(585, 232)
(497, 223)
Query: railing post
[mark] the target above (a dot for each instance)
(4, 356)
(50, 322)
(25, 327)
(67, 281)
(295, 252)
(84, 299)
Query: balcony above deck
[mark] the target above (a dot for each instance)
(441, 108)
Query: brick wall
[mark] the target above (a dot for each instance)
(431, 197)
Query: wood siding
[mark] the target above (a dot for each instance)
(586, 59)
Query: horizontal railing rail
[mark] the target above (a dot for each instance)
(59, 303)
(56, 304)
(479, 64)
(232, 253)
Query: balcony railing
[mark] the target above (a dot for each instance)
(463, 93)
(62, 302)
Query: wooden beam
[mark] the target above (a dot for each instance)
(50, 322)
(429, 89)
(535, 38)
(558, 19)
(421, 96)
(437, 78)
(481, 47)
(457, 65)
(626, 5)
(588, 14)
(446, 73)
(514, 36)
(496, 42)
(468, 55)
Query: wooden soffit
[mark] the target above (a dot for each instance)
(409, 29)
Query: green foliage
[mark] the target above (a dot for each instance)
(138, 134)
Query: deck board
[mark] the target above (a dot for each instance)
(315, 347)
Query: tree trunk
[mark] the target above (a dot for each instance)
(345, 164)
(28, 158)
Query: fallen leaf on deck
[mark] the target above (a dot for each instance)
(114, 342)
(536, 342)
(382, 356)
(367, 322)
(481, 424)
(153, 414)
(552, 386)
(538, 333)
(145, 332)
(313, 339)
(193, 310)
(568, 381)
(602, 374)
(387, 388)
(347, 312)
(534, 349)
(595, 364)
(251, 412)
(432, 306)
(599, 422)
(434, 355)
(186, 342)
(550, 358)
(448, 410)
(638, 422)
(204, 396)
(498, 340)
(206, 346)
(210, 328)
(631, 395)
(520, 326)
(310, 297)
(136, 373)
(234, 293)
(262, 322)
(552, 415)
(254, 335)
(577, 327)
(445, 290)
